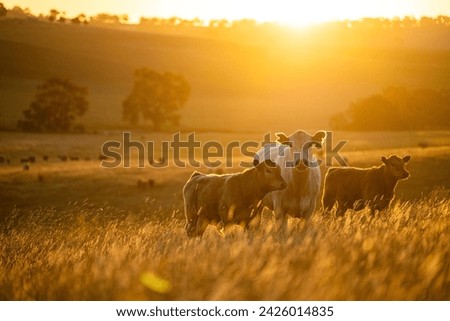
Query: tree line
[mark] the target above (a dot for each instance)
(396, 108)
(55, 15)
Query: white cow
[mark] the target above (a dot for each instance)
(299, 168)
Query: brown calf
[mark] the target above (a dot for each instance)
(227, 199)
(357, 188)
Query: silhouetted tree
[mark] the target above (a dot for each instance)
(57, 103)
(156, 97)
(3, 10)
(109, 19)
(75, 21)
(150, 21)
(396, 108)
(54, 15)
(222, 23)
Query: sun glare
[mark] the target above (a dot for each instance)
(293, 12)
(286, 12)
(304, 13)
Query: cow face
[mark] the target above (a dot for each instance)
(301, 164)
(270, 175)
(301, 143)
(307, 161)
(396, 166)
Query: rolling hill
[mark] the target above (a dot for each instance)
(281, 84)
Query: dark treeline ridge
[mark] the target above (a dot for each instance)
(345, 32)
(396, 108)
(178, 23)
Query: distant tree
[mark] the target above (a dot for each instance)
(246, 24)
(396, 108)
(56, 105)
(124, 18)
(174, 21)
(80, 19)
(223, 23)
(444, 20)
(3, 10)
(156, 97)
(75, 21)
(17, 11)
(149, 21)
(109, 19)
(54, 15)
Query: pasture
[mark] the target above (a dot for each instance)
(72, 230)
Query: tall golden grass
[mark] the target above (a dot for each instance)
(89, 253)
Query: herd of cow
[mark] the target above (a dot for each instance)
(286, 179)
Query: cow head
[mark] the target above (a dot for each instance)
(395, 166)
(298, 139)
(270, 175)
(301, 143)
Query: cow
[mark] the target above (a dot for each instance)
(300, 169)
(358, 188)
(223, 200)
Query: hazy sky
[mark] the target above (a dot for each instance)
(288, 11)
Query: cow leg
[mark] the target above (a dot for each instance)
(255, 222)
(227, 216)
(280, 219)
(191, 220)
(255, 216)
(341, 209)
(383, 204)
(220, 229)
(202, 224)
(307, 214)
(281, 222)
(191, 226)
(226, 213)
(327, 202)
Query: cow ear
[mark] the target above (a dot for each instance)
(282, 138)
(263, 165)
(406, 158)
(319, 136)
(384, 160)
(270, 163)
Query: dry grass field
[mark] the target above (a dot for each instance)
(75, 231)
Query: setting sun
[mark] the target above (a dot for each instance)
(291, 12)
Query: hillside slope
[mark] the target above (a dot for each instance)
(235, 86)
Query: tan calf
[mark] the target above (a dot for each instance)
(357, 188)
(223, 200)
